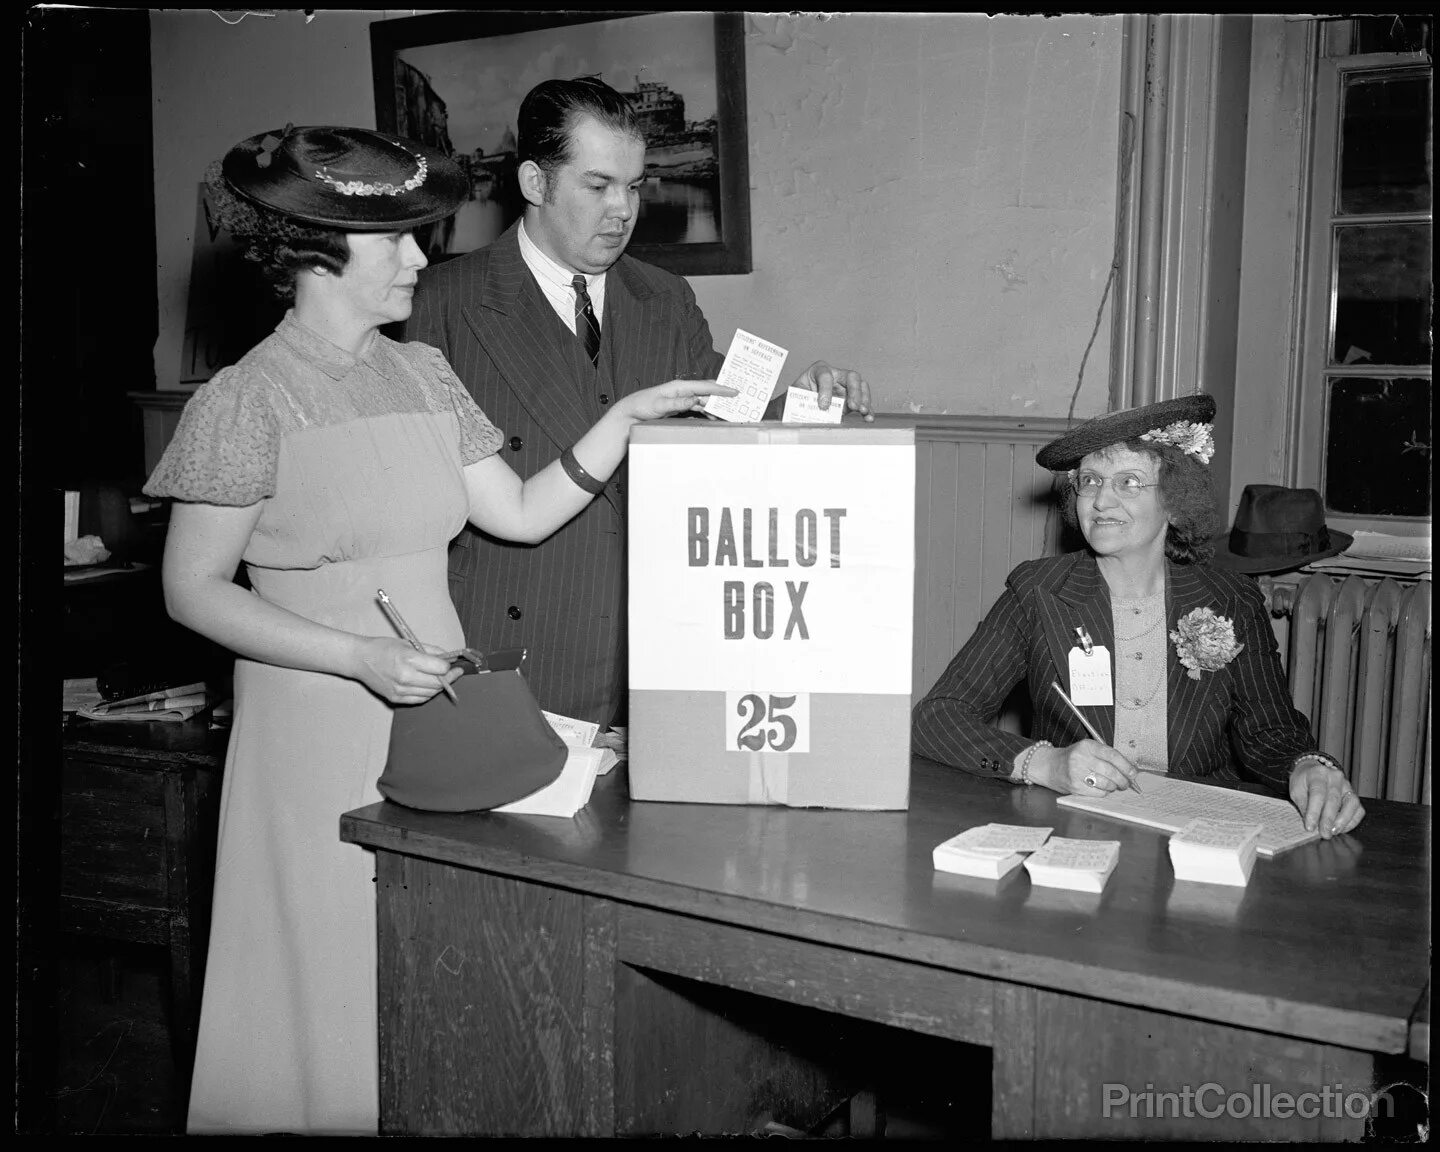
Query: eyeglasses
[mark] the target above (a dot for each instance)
(1127, 485)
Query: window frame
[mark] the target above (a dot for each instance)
(1319, 303)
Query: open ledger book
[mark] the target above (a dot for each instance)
(1170, 803)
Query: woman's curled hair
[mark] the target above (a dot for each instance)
(1187, 495)
(281, 247)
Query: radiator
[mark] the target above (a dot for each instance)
(1358, 660)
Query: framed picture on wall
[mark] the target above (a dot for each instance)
(455, 82)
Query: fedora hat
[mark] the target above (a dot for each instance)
(1277, 529)
(1157, 422)
(353, 179)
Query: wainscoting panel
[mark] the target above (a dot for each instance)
(982, 505)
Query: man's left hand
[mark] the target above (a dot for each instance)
(826, 381)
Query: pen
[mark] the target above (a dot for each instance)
(1088, 726)
(404, 629)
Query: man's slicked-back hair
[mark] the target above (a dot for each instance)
(549, 112)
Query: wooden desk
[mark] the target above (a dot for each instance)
(140, 807)
(522, 963)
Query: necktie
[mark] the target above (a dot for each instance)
(586, 326)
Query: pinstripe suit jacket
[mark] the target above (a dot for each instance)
(564, 598)
(1234, 723)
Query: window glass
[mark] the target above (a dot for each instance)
(1382, 294)
(1377, 451)
(1385, 144)
(1393, 33)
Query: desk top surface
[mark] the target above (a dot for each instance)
(1329, 941)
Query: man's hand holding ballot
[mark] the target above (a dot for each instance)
(753, 368)
(847, 383)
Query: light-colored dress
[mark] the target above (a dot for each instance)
(357, 466)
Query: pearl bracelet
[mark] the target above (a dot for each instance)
(1025, 760)
(1319, 758)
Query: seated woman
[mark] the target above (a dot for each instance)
(1184, 650)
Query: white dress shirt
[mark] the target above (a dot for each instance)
(556, 281)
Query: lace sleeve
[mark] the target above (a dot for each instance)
(478, 437)
(225, 448)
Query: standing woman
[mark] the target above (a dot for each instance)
(1171, 661)
(332, 462)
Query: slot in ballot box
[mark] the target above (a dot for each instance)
(771, 589)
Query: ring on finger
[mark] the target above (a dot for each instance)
(1090, 781)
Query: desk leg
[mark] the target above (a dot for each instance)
(495, 1006)
(1066, 1066)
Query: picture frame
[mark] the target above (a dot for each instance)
(455, 81)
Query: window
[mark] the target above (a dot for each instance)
(1365, 404)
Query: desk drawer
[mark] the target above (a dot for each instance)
(112, 834)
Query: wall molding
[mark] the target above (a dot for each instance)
(978, 429)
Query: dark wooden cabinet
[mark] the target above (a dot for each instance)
(139, 810)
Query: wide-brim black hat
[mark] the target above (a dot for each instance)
(1277, 529)
(354, 179)
(1116, 427)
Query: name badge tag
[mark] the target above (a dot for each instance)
(1090, 676)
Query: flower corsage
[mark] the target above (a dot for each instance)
(1191, 438)
(1204, 642)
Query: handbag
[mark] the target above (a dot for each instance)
(492, 746)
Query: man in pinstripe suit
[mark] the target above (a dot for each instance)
(547, 326)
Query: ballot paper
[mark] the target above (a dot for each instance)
(1169, 804)
(802, 407)
(1080, 865)
(752, 367)
(576, 733)
(1215, 851)
(583, 734)
(988, 850)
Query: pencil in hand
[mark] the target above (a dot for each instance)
(1055, 684)
(393, 613)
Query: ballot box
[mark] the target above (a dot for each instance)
(771, 586)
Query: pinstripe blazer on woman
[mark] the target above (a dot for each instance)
(564, 598)
(1229, 725)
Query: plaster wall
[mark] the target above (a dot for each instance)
(932, 196)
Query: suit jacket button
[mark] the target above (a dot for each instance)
(604, 398)
(514, 612)
(516, 443)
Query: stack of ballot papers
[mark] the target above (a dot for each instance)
(988, 850)
(570, 791)
(1081, 865)
(1215, 851)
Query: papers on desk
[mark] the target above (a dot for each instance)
(1379, 554)
(1170, 803)
(570, 791)
(81, 693)
(988, 851)
(1215, 851)
(1080, 865)
(170, 705)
